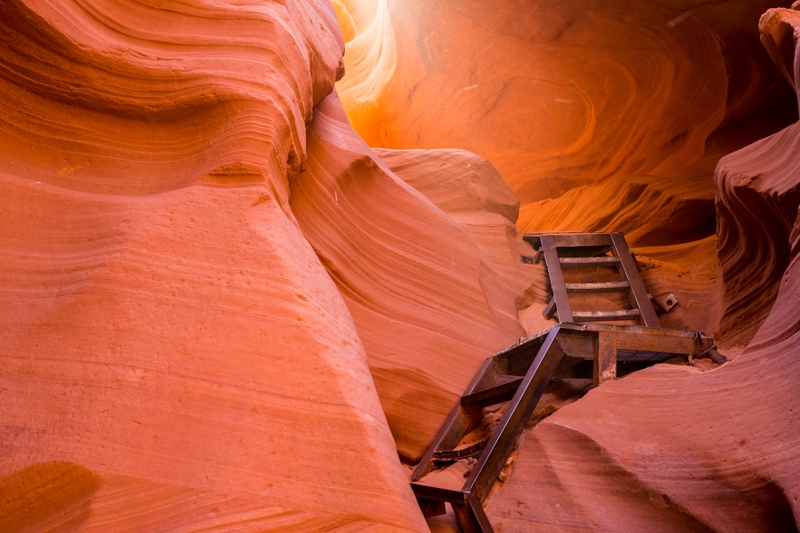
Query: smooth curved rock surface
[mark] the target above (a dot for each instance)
(672, 448)
(197, 334)
(423, 293)
(515, 85)
(601, 116)
(174, 356)
(690, 450)
(670, 222)
(757, 199)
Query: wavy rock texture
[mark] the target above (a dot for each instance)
(512, 82)
(687, 450)
(199, 334)
(670, 448)
(174, 356)
(754, 85)
(756, 206)
(599, 115)
(670, 222)
(425, 294)
(757, 199)
(471, 192)
(515, 85)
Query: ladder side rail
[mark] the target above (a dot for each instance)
(517, 414)
(638, 290)
(557, 284)
(471, 517)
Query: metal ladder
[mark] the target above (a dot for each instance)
(592, 250)
(519, 374)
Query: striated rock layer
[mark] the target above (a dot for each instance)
(215, 316)
(601, 116)
(673, 448)
(757, 199)
(559, 94)
(174, 356)
(426, 295)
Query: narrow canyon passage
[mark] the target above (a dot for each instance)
(252, 253)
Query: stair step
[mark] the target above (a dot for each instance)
(576, 262)
(591, 316)
(598, 287)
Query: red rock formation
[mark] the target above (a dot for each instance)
(686, 450)
(671, 448)
(196, 333)
(173, 354)
(426, 295)
(516, 85)
(757, 199)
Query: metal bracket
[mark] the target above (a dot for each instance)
(667, 304)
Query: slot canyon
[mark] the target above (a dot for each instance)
(253, 251)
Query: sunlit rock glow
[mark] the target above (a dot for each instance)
(370, 54)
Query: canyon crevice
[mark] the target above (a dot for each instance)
(253, 252)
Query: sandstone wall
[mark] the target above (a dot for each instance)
(674, 448)
(173, 355)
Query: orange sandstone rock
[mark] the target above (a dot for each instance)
(599, 115)
(554, 94)
(677, 449)
(424, 293)
(174, 356)
(757, 199)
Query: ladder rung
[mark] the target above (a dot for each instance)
(570, 240)
(492, 395)
(550, 310)
(455, 455)
(603, 260)
(590, 316)
(598, 287)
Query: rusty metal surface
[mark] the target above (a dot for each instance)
(557, 284)
(471, 518)
(608, 286)
(569, 240)
(560, 350)
(461, 453)
(578, 262)
(640, 296)
(633, 340)
(666, 304)
(587, 250)
(516, 416)
(492, 395)
(605, 360)
(590, 316)
(458, 422)
(439, 494)
(431, 508)
(517, 359)
(550, 310)
(467, 507)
